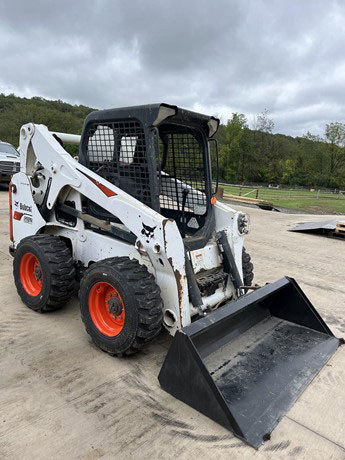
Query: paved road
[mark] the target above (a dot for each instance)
(60, 397)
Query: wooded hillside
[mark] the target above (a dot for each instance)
(57, 115)
(259, 156)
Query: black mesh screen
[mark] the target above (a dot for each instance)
(117, 152)
(182, 168)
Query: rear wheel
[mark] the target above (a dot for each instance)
(43, 272)
(121, 305)
(247, 268)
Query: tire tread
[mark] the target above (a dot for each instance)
(61, 266)
(147, 293)
(247, 268)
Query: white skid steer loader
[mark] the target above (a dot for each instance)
(135, 220)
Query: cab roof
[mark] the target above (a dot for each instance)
(154, 114)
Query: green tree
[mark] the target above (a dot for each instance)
(335, 137)
(232, 154)
(267, 153)
(265, 124)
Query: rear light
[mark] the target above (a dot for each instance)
(10, 210)
(17, 215)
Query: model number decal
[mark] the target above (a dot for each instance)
(27, 219)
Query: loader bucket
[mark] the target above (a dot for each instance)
(245, 364)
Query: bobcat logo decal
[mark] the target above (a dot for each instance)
(148, 232)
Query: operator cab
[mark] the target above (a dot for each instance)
(159, 154)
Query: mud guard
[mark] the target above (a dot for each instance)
(245, 364)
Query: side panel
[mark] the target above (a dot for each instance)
(25, 216)
(206, 258)
(227, 219)
(90, 247)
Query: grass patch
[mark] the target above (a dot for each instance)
(302, 200)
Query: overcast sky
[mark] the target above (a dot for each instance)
(215, 56)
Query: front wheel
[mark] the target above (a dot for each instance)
(120, 305)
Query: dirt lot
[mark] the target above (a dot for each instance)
(60, 397)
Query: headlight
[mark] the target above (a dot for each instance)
(243, 223)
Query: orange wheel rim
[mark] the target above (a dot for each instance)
(106, 309)
(31, 275)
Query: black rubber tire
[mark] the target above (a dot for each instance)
(142, 300)
(247, 268)
(58, 272)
